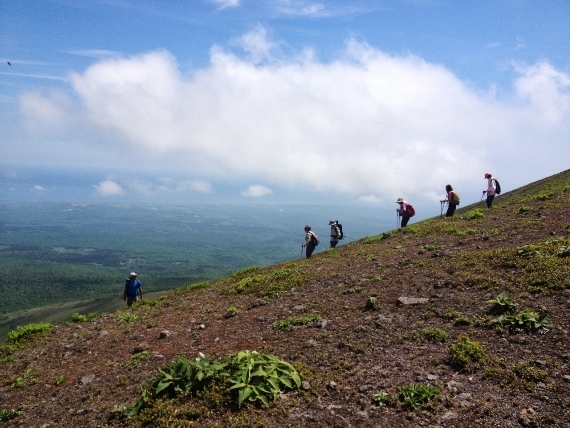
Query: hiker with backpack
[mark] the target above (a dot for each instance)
(311, 241)
(336, 232)
(405, 212)
(133, 289)
(493, 188)
(452, 200)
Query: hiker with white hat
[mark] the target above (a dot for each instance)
(335, 233)
(405, 211)
(133, 289)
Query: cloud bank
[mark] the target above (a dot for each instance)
(368, 124)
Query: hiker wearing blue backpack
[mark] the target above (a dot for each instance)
(336, 233)
(492, 189)
(405, 212)
(311, 241)
(133, 289)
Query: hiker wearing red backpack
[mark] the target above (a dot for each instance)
(405, 212)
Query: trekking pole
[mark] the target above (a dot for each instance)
(397, 223)
(441, 204)
(482, 195)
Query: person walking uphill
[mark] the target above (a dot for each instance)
(133, 289)
(311, 241)
(405, 211)
(452, 200)
(335, 233)
(491, 189)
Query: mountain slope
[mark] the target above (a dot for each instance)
(372, 336)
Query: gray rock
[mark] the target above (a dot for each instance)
(164, 334)
(412, 300)
(305, 385)
(87, 379)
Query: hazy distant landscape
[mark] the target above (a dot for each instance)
(53, 253)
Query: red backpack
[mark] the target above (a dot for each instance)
(410, 211)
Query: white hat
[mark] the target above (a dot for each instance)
(133, 274)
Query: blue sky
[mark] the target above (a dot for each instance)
(280, 101)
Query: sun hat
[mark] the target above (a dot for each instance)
(133, 274)
(400, 201)
(487, 175)
(332, 222)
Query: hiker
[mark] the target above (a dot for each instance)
(335, 232)
(491, 189)
(311, 241)
(451, 201)
(403, 211)
(133, 289)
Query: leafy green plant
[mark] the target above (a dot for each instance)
(23, 333)
(564, 251)
(436, 335)
(29, 376)
(247, 282)
(416, 396)
(7, 359)
(8, 414)
(231, 312)
(381, 399)
(77, 318)
(467, 353)
(527, 251)
(502, 303)
(59, 380)
(291, 321)
(524, 208)
(474, 214)
(526, 319)
(137, 358)
(250, 376)
(245, 271)
(127, 318)
(372, 304)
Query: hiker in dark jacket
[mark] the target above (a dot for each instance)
(309, 241)
(335, 233)
(403, 212)
(451, 204)
(133, 289)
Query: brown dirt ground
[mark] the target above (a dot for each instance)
(358, 352)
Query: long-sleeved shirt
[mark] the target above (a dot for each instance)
(491, 186)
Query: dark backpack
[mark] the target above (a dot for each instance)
(314, 239)
(410, 211)
(340, 230)
(497, 186)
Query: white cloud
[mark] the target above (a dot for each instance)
(371, 199)
(372, 123)
(38, 188)
(223, 4)
(108, 188)
(256, 191)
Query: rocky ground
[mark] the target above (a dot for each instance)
(377, 300)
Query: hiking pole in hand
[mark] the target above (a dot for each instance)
(484, 191)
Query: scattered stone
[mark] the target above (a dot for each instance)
(87, 379)
(157, 357)
(312, 342)
(103, 333)
(257, 303)
(452, 386)
(141, 347)
(4, 397)
(164, 334)
(412, 300)
(299, 308)
(365, 388)
(448, 415)
(527, 417)
(202, 326)
(321, 323)
(432, 377)
(332, 384)
(566, 378)
(305, 385)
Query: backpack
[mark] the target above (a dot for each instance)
(455, 197)
(314, 239)
(410, 211)
(497, 186)
(340, 230)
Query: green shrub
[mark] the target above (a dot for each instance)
(291, 321)
(527, 251)
(8, 414)
(381, 399)
(77, 318)
(436, 335)
(24, 333)
(467, 353)
(231, 312)
(59, 380)
(502, 303)
(372, 304)
(416, 396)
(248, 375)
(564, 251)
(474, 214)
(127, 318)
(526, 320)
